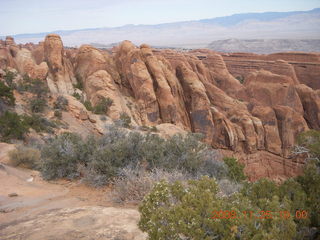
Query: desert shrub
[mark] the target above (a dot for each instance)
(103, 106)
(37, 105)
(149, 129)
(262, 189)
(154, 129)
(38, 123)
(228, 187)
(211, 165)
(58, 114)
(114, 153)
(134, 183)
(235, 169)
(118, 149)
(310, 140)
(25, 157)
(9, 77)
(294, 192)
(309, 182)
(61, 103)
(103, 118)
(61, 156)
(6, 94)
(185, 211)
(177, 152)
(35, 86)
(77, 96)
(240, 79)
(88, 106)
(79, 83)
(13, 126)
(124, 120)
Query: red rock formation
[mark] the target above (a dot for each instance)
(257, 120)
(61, 73)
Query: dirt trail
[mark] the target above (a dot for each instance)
(60, 210)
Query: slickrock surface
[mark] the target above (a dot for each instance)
(60, 210)
(196, 90)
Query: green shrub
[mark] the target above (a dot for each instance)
(260, 190)
(37, 105)
(309, 182)
(9, 77)
(103, 106)
(61, 103)
(124, 120)
(38, 123)
(35, 86)
(134, 183)
(240, 79)
(6, 94)
(58, 114)
(310, 140)
(154, 129)
(149, 129)
(235, 169)
(60, 157)
(184, 211)
(77, 96)
(25, 157)
(88, 106)
(119, 149)
(12, 126)
(79, 83)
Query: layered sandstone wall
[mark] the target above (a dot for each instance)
(304, 67)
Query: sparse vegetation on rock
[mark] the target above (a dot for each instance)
(102, 106)
(35, 86)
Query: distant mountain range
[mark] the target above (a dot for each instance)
(265, 46)
(269, 26)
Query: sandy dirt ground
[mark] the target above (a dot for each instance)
(34, 209)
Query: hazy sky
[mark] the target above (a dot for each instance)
(32, 16)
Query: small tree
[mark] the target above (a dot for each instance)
(311, 141)
(37, 105)
(103, 106)
(235, 169)
(12, 126)
(195, 211)
(6, 94)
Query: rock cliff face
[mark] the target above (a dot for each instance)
(257, 121)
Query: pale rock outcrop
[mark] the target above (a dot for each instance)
(26, 65)
(60, 78)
